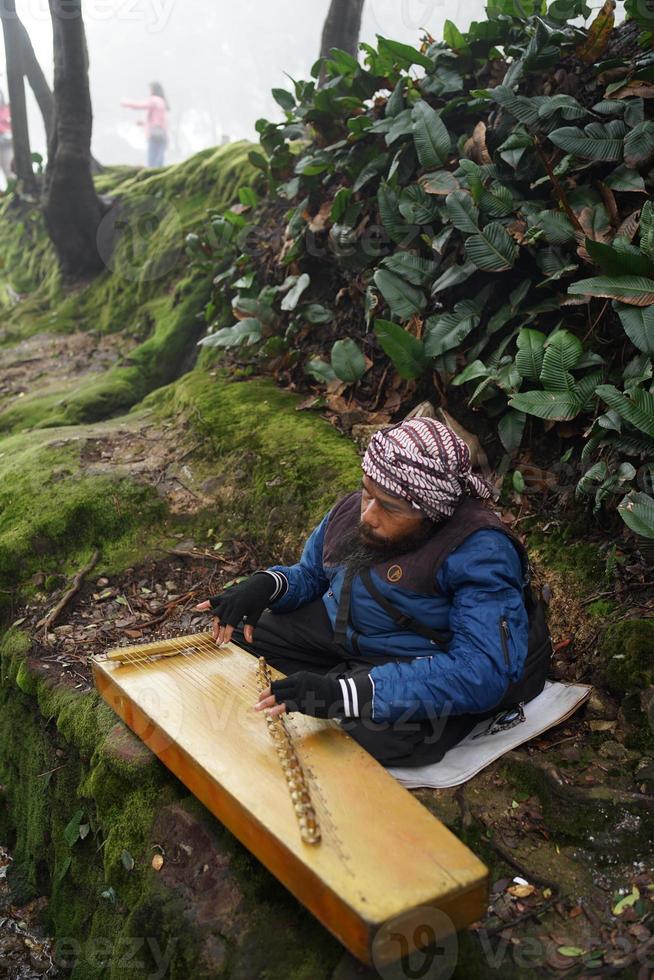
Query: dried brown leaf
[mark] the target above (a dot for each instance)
(629, 226)
(599, 32)
(644, 90)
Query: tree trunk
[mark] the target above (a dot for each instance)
(342, 27)
(71, 207)
(36, 79)
(16, 92)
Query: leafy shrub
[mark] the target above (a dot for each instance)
(490, 211)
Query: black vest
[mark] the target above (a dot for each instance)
(416, 571)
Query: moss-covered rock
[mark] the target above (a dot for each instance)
(627, 655)
(279, 470)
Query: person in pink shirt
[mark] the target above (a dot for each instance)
(155, 122)
(6, 140)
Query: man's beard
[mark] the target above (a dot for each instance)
(357, 549)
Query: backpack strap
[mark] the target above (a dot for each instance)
(440, 637)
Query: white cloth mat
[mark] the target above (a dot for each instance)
(554, 704)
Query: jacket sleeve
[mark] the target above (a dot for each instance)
(306, 580)
(488, 620)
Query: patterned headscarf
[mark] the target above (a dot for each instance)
(426, 463)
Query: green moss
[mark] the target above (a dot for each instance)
(281, 469)
(567, 550)
(78, 512)
(627, 655)
(600, 609)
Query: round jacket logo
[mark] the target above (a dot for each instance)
(394, 573)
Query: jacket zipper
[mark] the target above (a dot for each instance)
(504, 638)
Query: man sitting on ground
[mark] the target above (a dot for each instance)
(405, 617)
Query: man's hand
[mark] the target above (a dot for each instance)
(247, 600)
(304, 691)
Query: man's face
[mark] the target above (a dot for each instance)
(386, 519)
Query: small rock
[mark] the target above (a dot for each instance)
(600, 707)
(614, 750)
(602, 725)
(102, 582)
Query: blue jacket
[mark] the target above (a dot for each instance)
(480, 601)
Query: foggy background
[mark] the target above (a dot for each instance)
(216, 60)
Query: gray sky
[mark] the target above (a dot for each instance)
(217, 60)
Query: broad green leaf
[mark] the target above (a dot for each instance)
(403, 298)
(562, 351)
(371, 170)
(470, 373)
(348, 362)
(316, 313)
(454, 276)
(554, 263)
(524, 109)
(284, 99)
(432, 140)
(565, 105)
(340, 204)
(637, 511)
(417, 207)
(416, 270)
(634, 895)
(560, 406)
(638, 324)
(439, 241)
(633, 290)
(510, 430)
(529, 357)
(405, 351)
(248, 196)
(448, 330)
(453, 36)
(557, 227)
(619, 262)
(71, 830)
(647, 230)
(639, 144)
(638, 409)
(247, 331)
(403, 54)
(401, 125)
(601, 142)
(515, 146)
(440, 182)
(624, 179)
(395, 103)
(571, 951)
(320, 370)
(497, 201)
(492, 249)
(258, 160)
(392, 220)
(294, 294)
(462, 211)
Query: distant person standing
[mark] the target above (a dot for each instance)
(155, 122)
(6, 140)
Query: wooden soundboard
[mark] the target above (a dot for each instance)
(382, 857)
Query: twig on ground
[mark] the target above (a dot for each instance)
(54, 614)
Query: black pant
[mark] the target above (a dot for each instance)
(303, 640)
